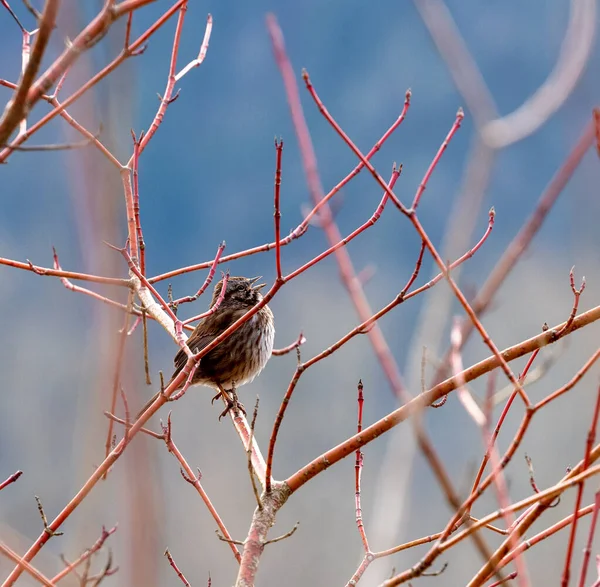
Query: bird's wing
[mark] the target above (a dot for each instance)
(204, 334)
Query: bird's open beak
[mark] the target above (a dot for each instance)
(259, 286)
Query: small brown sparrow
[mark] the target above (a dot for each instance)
(240, 357)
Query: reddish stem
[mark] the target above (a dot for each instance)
(29, 266)
(357, 474)
(302, 367)
(194, 480)
(376, 147)
(494, 436)
(459, 118)
(83, 290)
(530, 361)
(560, 391)
(502, 581)
(343, 242)
(523, 546)
(588, 546)
(591, 437)
(290, 347)
(415, 272)
(576, 294)
(10, 479)
(176, 568)
(86, 554)
(168, 97)
(277, 212)
(348, 141)
(215, 306)
(207, 281)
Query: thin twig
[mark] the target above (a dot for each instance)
(47, 528)
(591, 438)
(176, 568)
(86, 554)
(11, 479)
(288, 349)
(283, 536)
(207, 281)
(588, 546)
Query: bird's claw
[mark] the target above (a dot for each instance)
(232, 404)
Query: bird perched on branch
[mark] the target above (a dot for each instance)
(240, 357)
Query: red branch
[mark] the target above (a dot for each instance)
(459, 118)
(290, 347)
(577, 294)
(77, 288)
(588, 546)
(207, 281)
(215, 306)
(591, 437)
(176, 568)
(29, 266)
(194, 480)
(86, 554)
(10, 479)
(277, 212)
(357, 474)
(303, 366)
(167, 96)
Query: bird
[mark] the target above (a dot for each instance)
(239, 358)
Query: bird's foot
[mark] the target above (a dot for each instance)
(233, 403)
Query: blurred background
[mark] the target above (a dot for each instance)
(207, 176)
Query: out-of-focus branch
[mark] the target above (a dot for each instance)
(550, 96)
